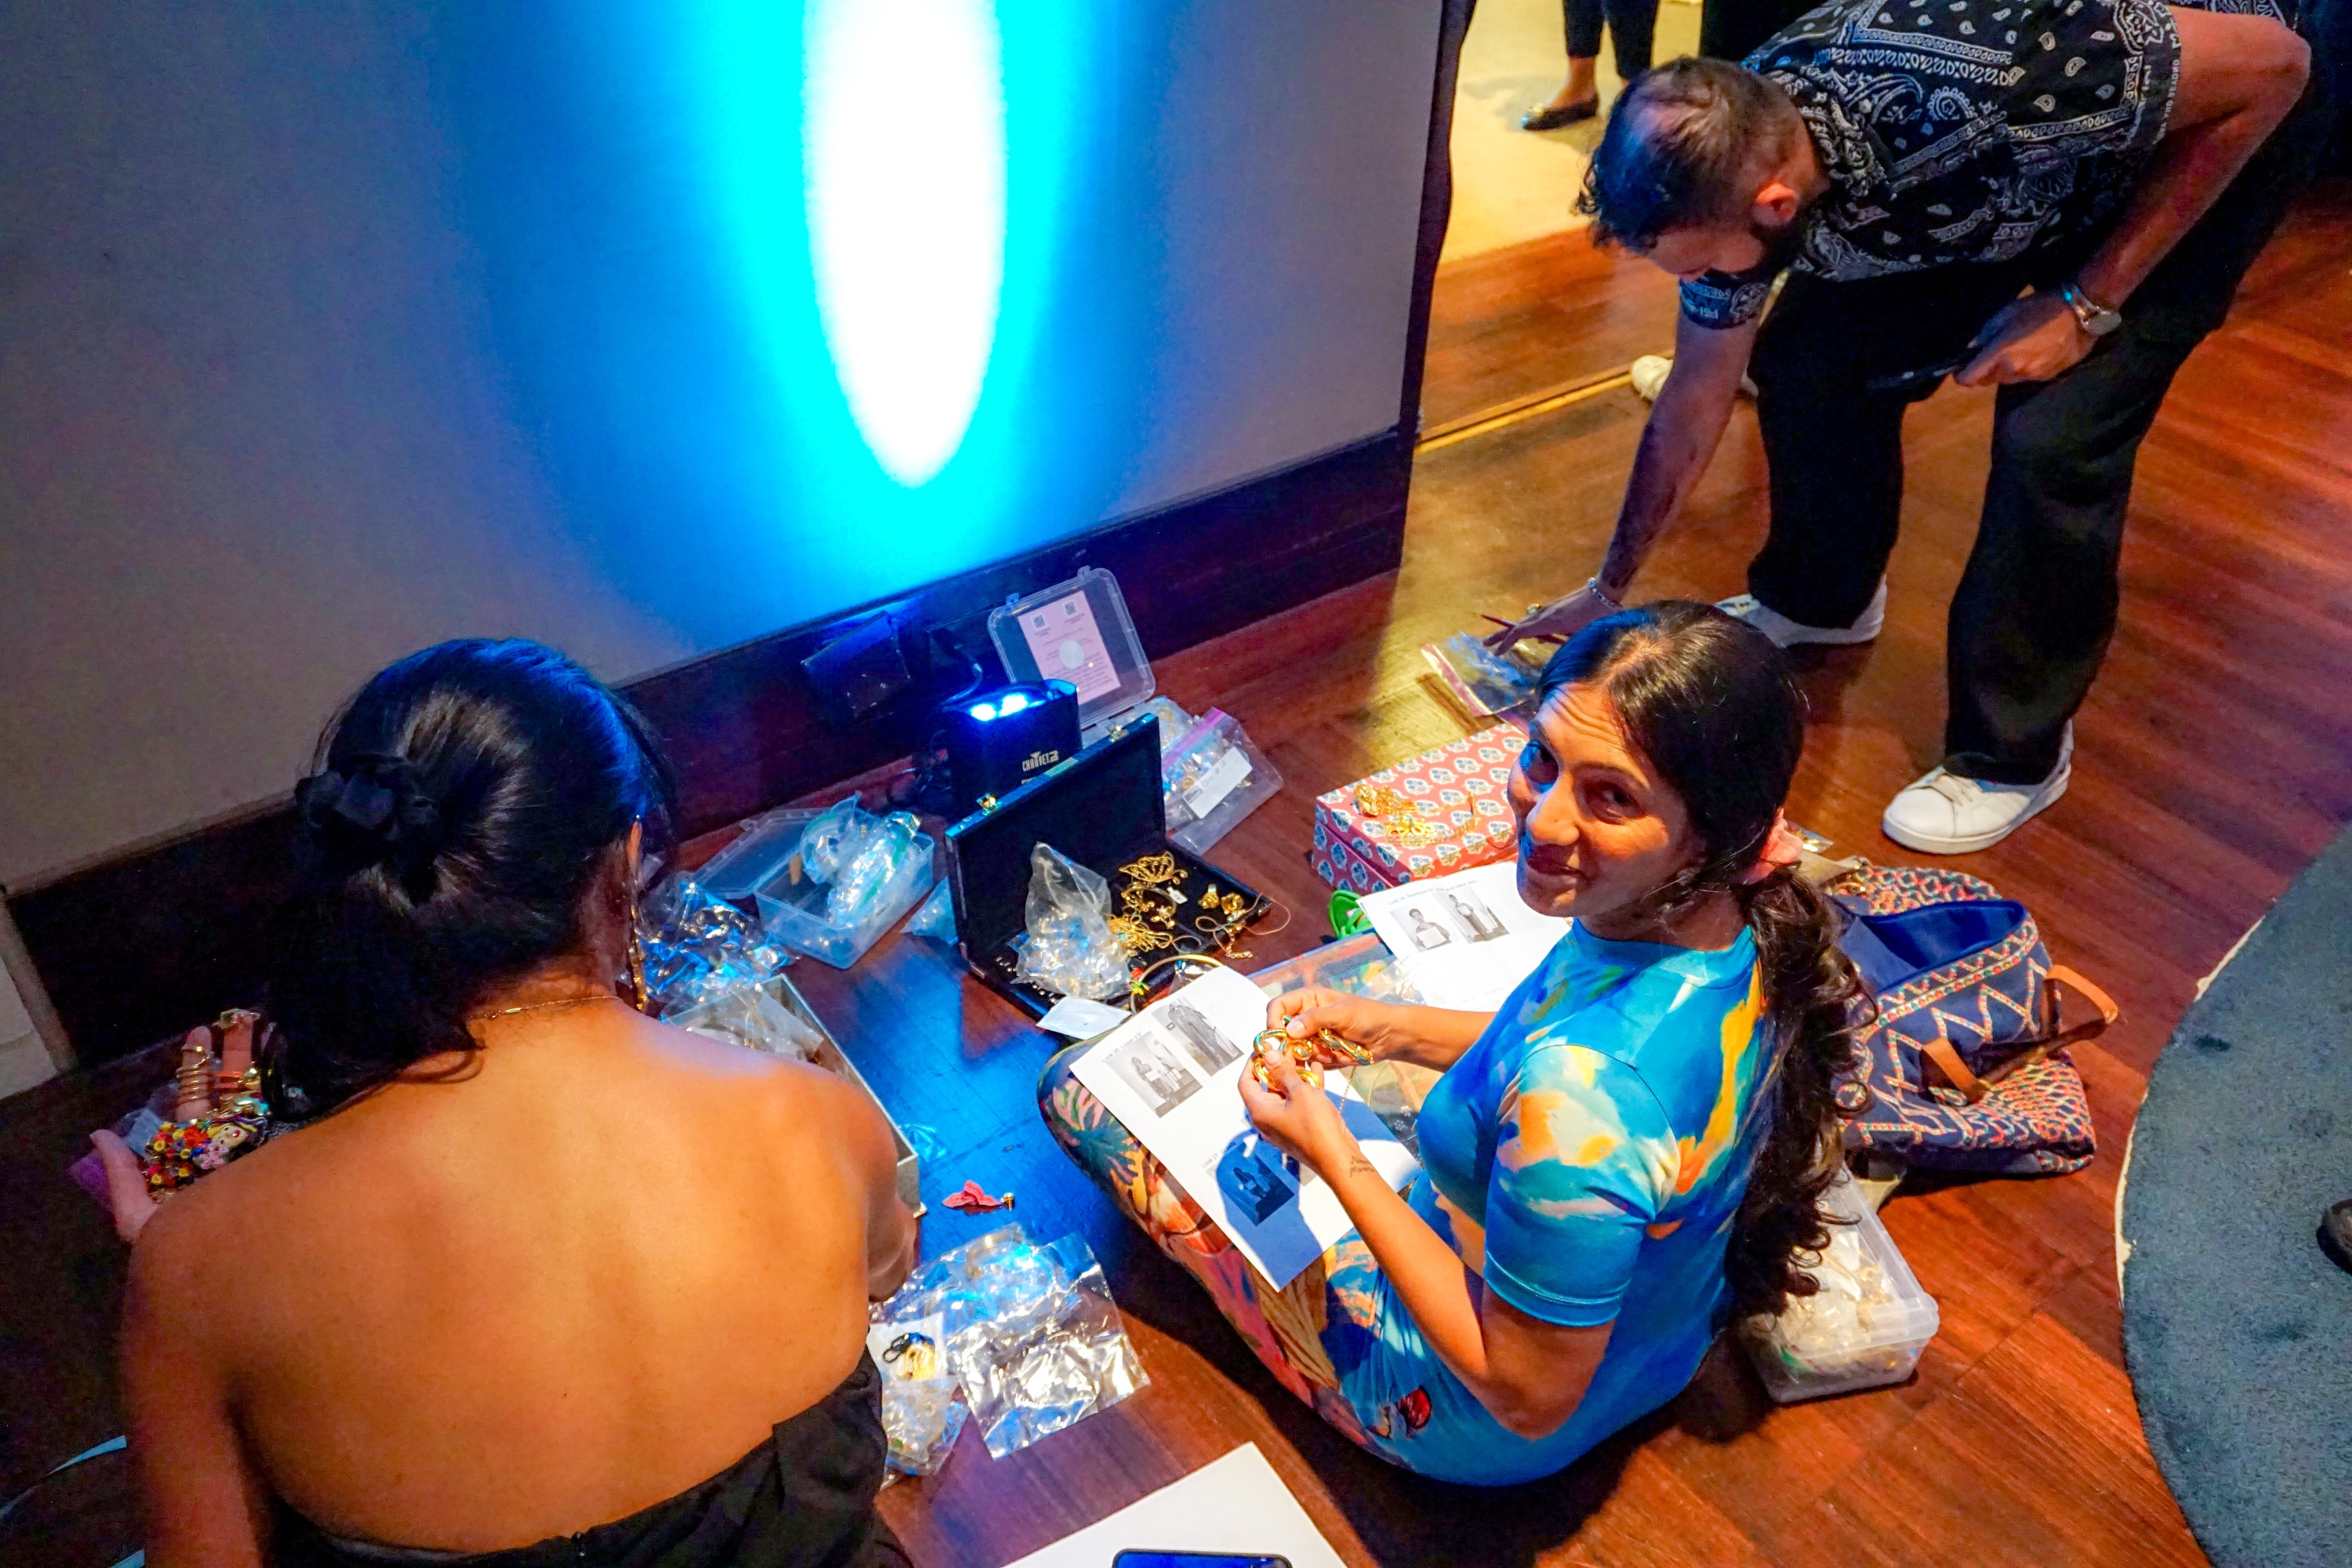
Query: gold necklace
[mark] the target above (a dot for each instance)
(536, 1006)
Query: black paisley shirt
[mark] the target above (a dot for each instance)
(1960, 130)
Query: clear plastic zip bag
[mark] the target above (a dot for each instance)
(1030, 1334)
(1068, 948)
(1214, 775)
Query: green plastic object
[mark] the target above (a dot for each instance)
(1348, 915)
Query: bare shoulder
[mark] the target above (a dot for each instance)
(795, 1093)
(228, 1234)
(201, 1241)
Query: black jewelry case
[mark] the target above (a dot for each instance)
(1103, 808)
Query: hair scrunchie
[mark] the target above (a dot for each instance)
(375, 813)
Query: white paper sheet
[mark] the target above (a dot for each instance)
(1080, 1018)
(1465, 939)
(1171, 1075)
(1235, 1504)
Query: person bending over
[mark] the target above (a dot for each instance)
(1626, 1156)
(2056, 196)
(532, 1267)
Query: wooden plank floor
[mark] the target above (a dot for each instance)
(2214, 760)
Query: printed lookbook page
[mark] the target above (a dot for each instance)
(1467, 940)
(1172, 1073)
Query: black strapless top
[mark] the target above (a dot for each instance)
(805, 1499)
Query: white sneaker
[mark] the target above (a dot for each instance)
(1795, 634)
(1944, 813)
(1650, 372)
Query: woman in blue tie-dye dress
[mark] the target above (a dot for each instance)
(1624, 1156)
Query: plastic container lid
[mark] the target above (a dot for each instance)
(1077, 631)
(752, 856)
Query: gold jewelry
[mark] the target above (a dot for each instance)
(1148, 978)
(540, 1006)
(192, 1088)
(1138, 938)
(1413, 832)
(1271, 1044)
(640, 997)
(1404, 819)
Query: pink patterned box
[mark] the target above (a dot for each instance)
(1454, 799)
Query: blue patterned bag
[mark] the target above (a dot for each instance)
(1965, 1066)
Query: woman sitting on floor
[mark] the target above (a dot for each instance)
(534, 1267)
(1626, 1156)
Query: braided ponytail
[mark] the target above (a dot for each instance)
(1811, 993)
(1713, 705)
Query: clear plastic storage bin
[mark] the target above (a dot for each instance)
(802, 908)
(1867, 1327)
(1362, 966)
(752, 856)
(1077, 631)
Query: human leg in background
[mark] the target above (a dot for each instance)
(2036, 606)
(1578, 97)
(1633, 29)
(1835, 445)
(1309, 1333)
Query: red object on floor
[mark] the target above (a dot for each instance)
(974, 1199)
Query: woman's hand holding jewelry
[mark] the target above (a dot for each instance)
(1311, 1012)
(1433, 1038)
(1299, 1117)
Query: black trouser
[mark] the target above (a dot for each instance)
(1631, 26)
(2037, 604)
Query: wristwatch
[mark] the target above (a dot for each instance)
(2096, 319)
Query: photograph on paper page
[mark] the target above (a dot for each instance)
(1465, 939)
(1203, 1041)
(1278, 1215)
(1256, 1176)
(1148, 1062)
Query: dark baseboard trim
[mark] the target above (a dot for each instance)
(134, 948)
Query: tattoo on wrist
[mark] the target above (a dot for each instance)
(1359, 1166)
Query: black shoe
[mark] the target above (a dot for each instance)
(1550, 117)
(2335, 1233)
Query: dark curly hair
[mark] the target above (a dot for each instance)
(465, 802)
(1711, 703)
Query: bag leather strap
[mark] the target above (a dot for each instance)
(2057, 1034)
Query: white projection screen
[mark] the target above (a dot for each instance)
(329, 329)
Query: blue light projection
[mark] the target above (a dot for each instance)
(903, 161)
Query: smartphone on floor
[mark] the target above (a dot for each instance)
(1132, 1559)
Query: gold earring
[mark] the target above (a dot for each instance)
(640, 997)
